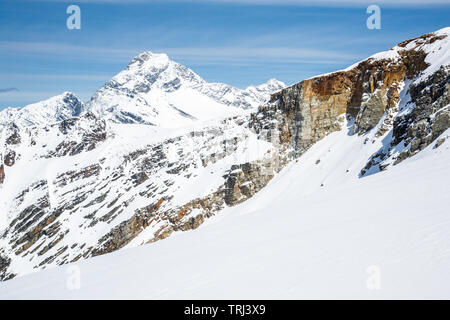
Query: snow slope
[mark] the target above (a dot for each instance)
(293, 239)
(156, 90)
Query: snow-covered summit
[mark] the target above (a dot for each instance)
(263, 91)
(155, 71)
(52, 110)
(153, 89)
(270, 85)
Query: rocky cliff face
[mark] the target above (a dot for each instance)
(369, 94)
(86, 187)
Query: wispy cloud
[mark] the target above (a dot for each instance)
(55, 49)
(199, 54)
(55, 77)
(2, 90)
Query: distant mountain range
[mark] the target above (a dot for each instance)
(152, 90)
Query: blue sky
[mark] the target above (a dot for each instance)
(239, 42)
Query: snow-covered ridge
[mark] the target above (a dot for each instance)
(435, 45)
(155, 90)
(52, 110)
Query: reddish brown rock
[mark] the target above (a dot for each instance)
(10, 159)
(2, 173)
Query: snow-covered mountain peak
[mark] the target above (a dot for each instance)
(153, 89)
(149, 71)
(149, 62)
(52, 110)
(270, 85)
(266, 89)
(149, 56)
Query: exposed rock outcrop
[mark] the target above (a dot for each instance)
(430, 116)
(91, 135)
(2, 173)
(4, 264)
